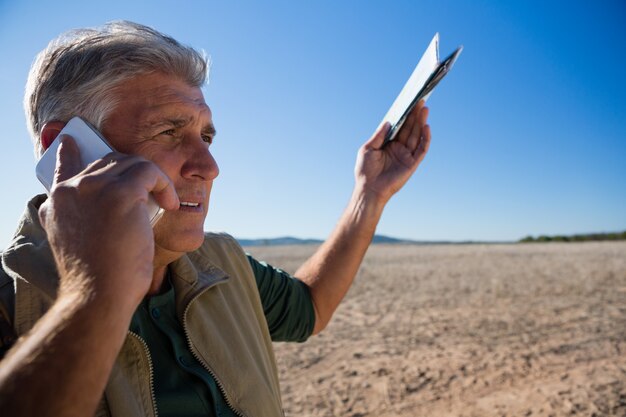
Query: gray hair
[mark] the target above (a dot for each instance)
(76, 74)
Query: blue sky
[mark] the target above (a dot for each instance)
(529, 129)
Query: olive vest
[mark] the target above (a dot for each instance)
(217, 303)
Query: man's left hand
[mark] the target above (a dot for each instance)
(382, 170)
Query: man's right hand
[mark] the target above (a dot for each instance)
(100, 234)
(98, 224)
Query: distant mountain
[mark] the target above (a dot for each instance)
(288, 240)
(387, 239)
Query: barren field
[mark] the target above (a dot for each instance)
(467, 330)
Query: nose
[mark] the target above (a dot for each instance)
(200, 164)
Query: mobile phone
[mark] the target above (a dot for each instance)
(92, 146)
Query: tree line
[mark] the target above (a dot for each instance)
(588, 237)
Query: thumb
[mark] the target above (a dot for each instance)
(378, 138)
(68, 163)
(165, 194)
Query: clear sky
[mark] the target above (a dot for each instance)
(529, 129)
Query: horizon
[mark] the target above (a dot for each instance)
(409, 240)
(529, 127)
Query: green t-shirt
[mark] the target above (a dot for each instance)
(182, 386)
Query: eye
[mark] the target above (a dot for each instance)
(207, 138)
(168, 132)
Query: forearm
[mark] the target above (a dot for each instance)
(380, 172)
(332, 268)
(62, 365)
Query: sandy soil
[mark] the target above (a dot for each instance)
(467, 330)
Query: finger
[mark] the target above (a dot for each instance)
(423, 116)
(129, 168)
(377, 139)
(413, 141)
(151, 179)
(424, 145)
(416, 132)
(113, 162)
(43, 211)
(165, 195)
(410, 123)
(68, 163)
(403, 134)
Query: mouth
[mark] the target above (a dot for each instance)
(190, 206)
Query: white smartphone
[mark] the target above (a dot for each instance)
(92, 147)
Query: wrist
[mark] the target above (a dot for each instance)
(87, 284)
(369, 202)
(364, 212)
(85, 293)
(93, 304)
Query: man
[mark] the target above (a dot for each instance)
(121, 319)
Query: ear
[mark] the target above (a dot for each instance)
(49, 133)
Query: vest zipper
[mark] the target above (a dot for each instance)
(151, 371)
(204, 364)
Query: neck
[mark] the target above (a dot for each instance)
(158, 278)
(162, 259)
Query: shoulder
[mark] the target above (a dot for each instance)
(220, 243)
(7, 305)
(224, 252)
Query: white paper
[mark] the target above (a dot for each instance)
(420, 75)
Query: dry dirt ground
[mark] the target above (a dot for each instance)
(467, 330)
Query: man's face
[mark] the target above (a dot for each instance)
(168, 122)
